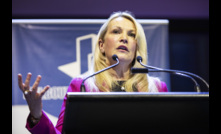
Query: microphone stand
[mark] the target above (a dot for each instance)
(114, 58)
(139, 59)
(146, 70)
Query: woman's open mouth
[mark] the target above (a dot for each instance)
(122, 47)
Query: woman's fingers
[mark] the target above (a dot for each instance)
(35, 85)
(25, 86)
(27, 81)
(20, 83)
(44, 90)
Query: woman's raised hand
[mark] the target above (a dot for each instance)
(32, 97)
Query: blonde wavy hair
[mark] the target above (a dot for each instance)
(104, 81)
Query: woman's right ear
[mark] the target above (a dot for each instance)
(101, 45)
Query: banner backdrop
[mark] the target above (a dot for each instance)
(61, 51)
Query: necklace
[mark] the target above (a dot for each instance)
(122, 88)
(119, 87)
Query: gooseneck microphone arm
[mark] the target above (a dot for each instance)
(196, 87)
(139, 59)
(146, 70)
(114, 57)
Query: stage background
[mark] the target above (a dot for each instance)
(60, 50)
(188, 29)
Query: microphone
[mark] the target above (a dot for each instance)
(178, 72)
(114, 57)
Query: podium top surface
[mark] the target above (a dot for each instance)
(138, 94)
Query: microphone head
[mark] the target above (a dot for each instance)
(114, 57)
(139, 58)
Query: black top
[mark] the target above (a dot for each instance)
(120, 87)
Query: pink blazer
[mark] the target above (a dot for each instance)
(45, 126)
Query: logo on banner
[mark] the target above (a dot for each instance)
(73, 69)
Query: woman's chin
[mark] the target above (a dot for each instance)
(124, 58)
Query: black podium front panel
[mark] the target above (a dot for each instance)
(171, 112)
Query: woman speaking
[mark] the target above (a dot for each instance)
(121, 35)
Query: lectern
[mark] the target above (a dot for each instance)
(149, 113)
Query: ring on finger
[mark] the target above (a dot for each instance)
(26, 92)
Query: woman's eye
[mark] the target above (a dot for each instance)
(116, 31)
(132, 34)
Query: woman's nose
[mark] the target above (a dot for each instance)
(124, 41)
(124, 38)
